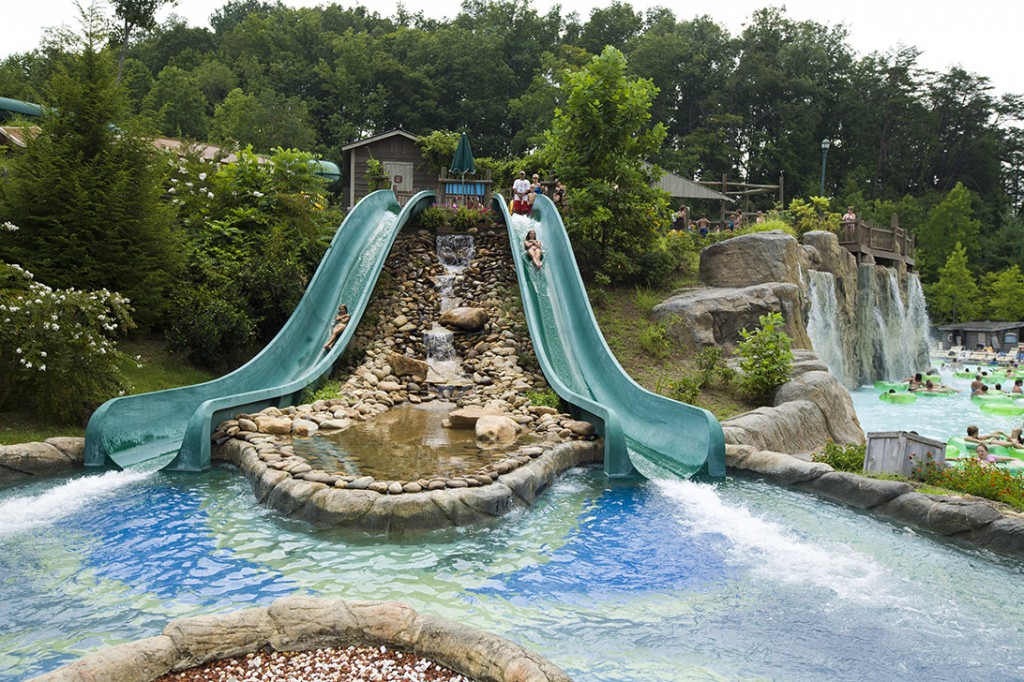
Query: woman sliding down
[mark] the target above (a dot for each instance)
(532, 246)
(340, 320)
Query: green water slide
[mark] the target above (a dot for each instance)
(640, 428)
(134, 429)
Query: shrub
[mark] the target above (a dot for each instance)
(765, 357)
(841, 457)
(653, 339)
(330, 389)
(544, 398)
(212, 331)
(57, 352)
(685, 389)
(710, 362)
(975, 477)
(433, 217)
(813, 215)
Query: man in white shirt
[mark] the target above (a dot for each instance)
(520, 190)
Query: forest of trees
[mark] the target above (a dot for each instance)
(940, 150)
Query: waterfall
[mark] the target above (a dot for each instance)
(902, 328)
(823, 324)
(455, 253)
(881, 334)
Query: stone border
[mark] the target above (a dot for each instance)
(53, 456)
(304, 623)
(971, 520)
(489, 493)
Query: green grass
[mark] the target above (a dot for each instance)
(623, 314)
(159, 370)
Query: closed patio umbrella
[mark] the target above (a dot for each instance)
(463, 164)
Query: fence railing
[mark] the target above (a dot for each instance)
(892, 239)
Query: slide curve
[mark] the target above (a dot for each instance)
(133, 429)
(636, 423)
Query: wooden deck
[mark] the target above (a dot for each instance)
(883, 245)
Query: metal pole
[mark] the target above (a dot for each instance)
(824, 156)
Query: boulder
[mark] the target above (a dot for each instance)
(465, 318)
(33, 459)
(280, 426)
(494, 429)
(403, 365)
(704, 316)
(466, 417)
(752, 259)
(304, 427)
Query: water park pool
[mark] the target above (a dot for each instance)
(932, 417)
(659, 581)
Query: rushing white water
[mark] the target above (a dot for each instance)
(28, 512)
(822, 326)
(889, 339)
(902, 329)
(442, 360)
(776, 552)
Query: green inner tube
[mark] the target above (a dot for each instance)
(934, 378)
(964, 375)
(935, 394)
(1012, 410)
(886, 385)
(898, 397)
(991, 399)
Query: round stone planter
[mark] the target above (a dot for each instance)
(304, 623)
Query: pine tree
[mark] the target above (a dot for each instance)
(86, 193)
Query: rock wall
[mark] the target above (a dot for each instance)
(305, 623)
(53, 456)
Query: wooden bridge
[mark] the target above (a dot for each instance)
(882, 245)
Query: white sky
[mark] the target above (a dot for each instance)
(947, 32)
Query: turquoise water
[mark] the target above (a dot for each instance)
(660, 581)
(933, 417)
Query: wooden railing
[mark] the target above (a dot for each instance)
(892, 239)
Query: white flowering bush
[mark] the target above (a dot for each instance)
(57, 352)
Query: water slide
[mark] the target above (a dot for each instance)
(640, 428)
(134, 429)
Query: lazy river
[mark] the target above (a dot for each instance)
(659, 581)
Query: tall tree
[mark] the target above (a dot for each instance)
(86, 193)
(598, 145)
(954, 297)
(134, 15)
(951, 222)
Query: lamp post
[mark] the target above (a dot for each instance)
(824, 155)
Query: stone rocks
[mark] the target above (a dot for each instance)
(496, 429)
(406, 366)
(465, 318)
(54, 456)
(303, 623)
(752, 259)
(273, 425)
(704, 317)
(467, 417)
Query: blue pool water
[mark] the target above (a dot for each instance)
(660, 581)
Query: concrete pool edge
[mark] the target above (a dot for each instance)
(976, 522)
(304, 623)
(515, 482)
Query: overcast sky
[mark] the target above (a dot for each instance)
(948, 33)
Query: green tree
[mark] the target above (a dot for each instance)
(951, 222)
(954, 297)
(86, 192)
(265, 121)
(598, 145)
(134, 15)
(1002, 294)
(178, 104)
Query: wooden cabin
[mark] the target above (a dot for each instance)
(405, 169)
